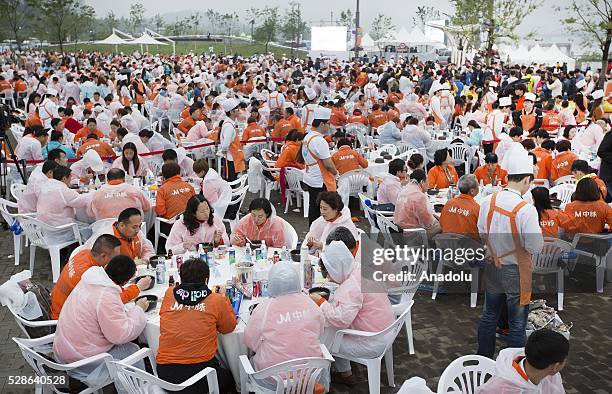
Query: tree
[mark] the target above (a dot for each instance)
(158, 23)
(213, 17)
(294, 26)
(347, 19)
(425, 14)
(498, 19)
(381, 26)
(14, 13)
(55, 18)
(137, 11)
(83, 19)
(592, 19)
(269, 24)
(110, 21)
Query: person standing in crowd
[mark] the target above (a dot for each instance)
(320, 173)
(230, 147)
(191, 317)
(605, 154)
(529, 118)
(510, 228)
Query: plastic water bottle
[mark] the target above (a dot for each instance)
(264, 250)
(160, 272)
(201, 253)
(247, 252)
(285, 255)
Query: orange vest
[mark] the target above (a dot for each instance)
(522, 255)
(235, 149)
(129, 247)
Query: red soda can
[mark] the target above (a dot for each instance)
(256, 288)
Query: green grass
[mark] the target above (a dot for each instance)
(239, 47)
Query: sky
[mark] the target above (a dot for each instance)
(544, 21)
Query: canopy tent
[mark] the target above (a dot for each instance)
(554, 54)
(417, 37)
(538, 55)
(367, 43)
(146, 39)
(113, 39)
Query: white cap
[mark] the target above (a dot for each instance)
(597, 94)
(530, 97)
(444, 86)
(310, 93)
(580, 84)
(505, 101)
(374, 77)
(197, 80)
(493, 84)
(520, 164)
(322, 113)
(229, 104)
(93, 160)
(98, 109)
(51, 92)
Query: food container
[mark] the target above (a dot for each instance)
(322, 291)
(144, 276)
(152, 301)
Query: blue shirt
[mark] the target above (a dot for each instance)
(54, 145)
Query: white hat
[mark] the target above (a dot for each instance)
(310, 93)
(597, 94)
(493, 84)
(505, 101)
(51, 92)
(520, 164)
(197, 80)
(374, 77)
(322, 113)
(98, 109)
(444, 86)
(229, 104)
(93, 160)
(580, 84)
(530, 97)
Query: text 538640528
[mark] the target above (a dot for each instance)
(32, 380)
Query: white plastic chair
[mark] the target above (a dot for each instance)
(297, 376)
(461, 154)
(407, 154)
(30, 349)
(387, 227)
(466, 374)
(373, 363)
(40, 234)
(294, 178)
(388, 148)
(597, 247)
(369, 213)
(157, 227)
(17, 190)
(351, 183)
(12, 218)
(238, 196)
(240, 182)
(564, 192)
(23, 323)
(355, 129)
(452, 241)
(291, 237)
(136, 381)
(567, 179)
(546, 262)
(17, 131)
(7, 98)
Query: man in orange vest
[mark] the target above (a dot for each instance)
(460, 214)
(511, 230)
(320, 172)
(346, 159)
(105, 247)
(543, 152)
(230, 147)
(357, 117)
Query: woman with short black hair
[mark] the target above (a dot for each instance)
(442, 174)
(260, 224)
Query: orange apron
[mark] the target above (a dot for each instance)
(235, 149)
(328, 177)
(140, 97)
(307, 116)
(522, 256)
(528, 121)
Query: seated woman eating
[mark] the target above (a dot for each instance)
(191, 317)
(131, 162)
(351, 308)
(271, 337)
(199, 224)
(260, 225)
(412, 209)
(333, 214)
(442, 174)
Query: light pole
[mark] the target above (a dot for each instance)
(357, 32)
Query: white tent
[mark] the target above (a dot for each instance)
(554, 55)
(146, 39)
(367, 43)
(417, 37)
(518, 55)
(113, 39)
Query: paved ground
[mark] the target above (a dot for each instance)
(444, 329)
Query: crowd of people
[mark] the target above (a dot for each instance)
(88, 114)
